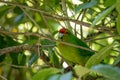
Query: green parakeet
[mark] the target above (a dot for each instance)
(70, 53)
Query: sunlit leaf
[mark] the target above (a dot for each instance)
(44, 74)
(20, 57)
(102, 15)
(98, 57)
(80, 70)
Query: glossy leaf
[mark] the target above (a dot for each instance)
(108, 71)
(54, 77)
(18, 18)
(66, 76)
(54, 59)
(33, 58)
(86, 5)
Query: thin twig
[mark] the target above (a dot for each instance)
(64, 8)
(15, 66)
(106, 37)
(104, 46)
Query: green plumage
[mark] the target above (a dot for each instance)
(73, 54)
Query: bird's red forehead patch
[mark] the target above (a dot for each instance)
(63, 30)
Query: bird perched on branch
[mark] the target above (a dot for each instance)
(73, 49)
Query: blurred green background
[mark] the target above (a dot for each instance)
(29, 30)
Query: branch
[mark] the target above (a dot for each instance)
(17, 49)
(58, 17)
(22, 48)
(46, 37)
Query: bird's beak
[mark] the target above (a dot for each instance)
(60, 35)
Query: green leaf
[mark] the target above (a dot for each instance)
(98, 57)
(31, 40)
(2, 57)
(47, 42)
(54, 59)
(20, 56)
(118, 6)
(108, 71)
(54, 77)
(102, 15)
(81, 71)
(108, 3)
(86, 5)
(117, 60)
(66, 76)
(19, 18)
(3, 10)
(55, 32)
(18, 10)
(44, 74)
(33, 58)
(118, 23)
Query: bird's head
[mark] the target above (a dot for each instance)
(63, 32)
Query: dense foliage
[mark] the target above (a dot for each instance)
(28, 38)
